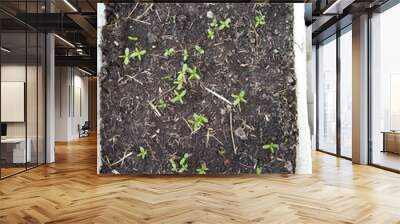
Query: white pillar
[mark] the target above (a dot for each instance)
(50, 99)
(303, 154)
(360, 90)
(50, 92)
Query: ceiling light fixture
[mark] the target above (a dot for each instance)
(64, 40)
(5, 50)
(70, 5)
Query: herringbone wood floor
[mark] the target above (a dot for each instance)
(69, 191)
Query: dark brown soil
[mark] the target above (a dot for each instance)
(259, 61)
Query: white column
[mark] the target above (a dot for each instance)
(303, 154)
(360, 90)
(50, 100)
(50, 92)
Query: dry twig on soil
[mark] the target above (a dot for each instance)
(233, 138)
(217, 95)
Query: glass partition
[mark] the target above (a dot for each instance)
(327, 96)
(14, 153)
(385, 89)
(22, 88)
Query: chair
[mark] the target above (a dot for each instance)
(84, 130)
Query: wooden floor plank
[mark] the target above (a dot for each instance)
(70, 191)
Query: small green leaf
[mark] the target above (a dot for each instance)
(173, 165)
(180, 80)
(197, 121)
(185, 55)
(126, 57)
(199, 49)
(133, 38)
(169, 52)
(223, 24)
(202, 170)
(260, 21)
(258, 170)
(178, 96)
(142, 153)
(271, 147)
(221, 151)
(138, 53)
(162, 104)
(185, 67)
(184, 163)
(193, 74)
(214, 23)
(210, 34)
(239, 98)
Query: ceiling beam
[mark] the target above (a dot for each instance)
(337, 7)
(82, 61)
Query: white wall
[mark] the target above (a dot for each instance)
(71, 102)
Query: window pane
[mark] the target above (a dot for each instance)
(385, 84)
(346, 94)
(327, 96)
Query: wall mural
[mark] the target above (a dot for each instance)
(198, 89)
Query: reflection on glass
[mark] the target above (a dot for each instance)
(327, 96)
(346, 94)
(385, 92)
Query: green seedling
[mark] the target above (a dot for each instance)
(260, 21)
(223, 24)
(271, 147)
(142, 153)
(214, 23)
(199, 49)
(169, 52)
(184, 163)
(197, 121)
(239, 98)
(258, 170)
(180, 80)
(178, 96)
(185, 55)
(185, 68)
(221, 152)
(127, 56)
(138, 53)
(203, 169)
(210, 34)
(133, 38)
(173, 165)
(162, 104)
(193, 74)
